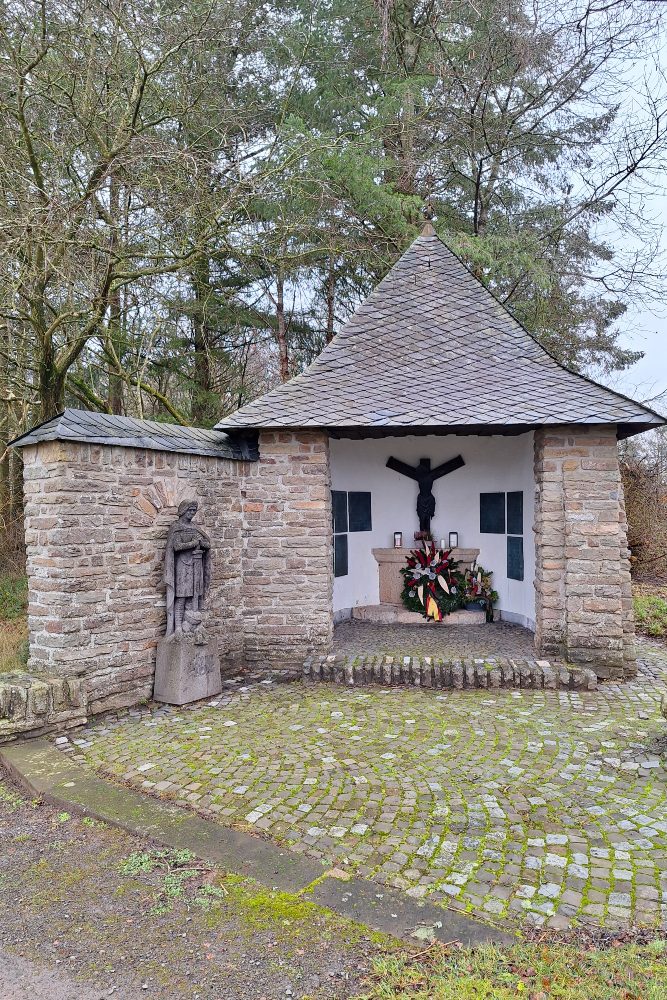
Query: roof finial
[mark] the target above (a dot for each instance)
(428, 213)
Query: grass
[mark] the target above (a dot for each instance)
(533, 971)
(179, 871)
(13, 624)
(650, 606)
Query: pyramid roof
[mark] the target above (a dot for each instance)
(431, 350)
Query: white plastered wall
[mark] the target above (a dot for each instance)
(493, 464)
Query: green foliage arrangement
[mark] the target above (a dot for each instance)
(434, 586)
(479, 589)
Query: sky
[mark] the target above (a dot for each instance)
(645, 330)
(644, 326)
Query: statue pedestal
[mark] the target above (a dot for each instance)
(391, 562)
(186, 671)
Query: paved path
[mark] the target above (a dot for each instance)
(59, 780)
(550, 805)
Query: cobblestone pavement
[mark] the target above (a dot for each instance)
(549, 806)
(501, 639)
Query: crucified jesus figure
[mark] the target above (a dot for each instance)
(425, 476)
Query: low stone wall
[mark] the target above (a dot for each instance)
(433, 672)
(582, 569)
(39, 705)
(97, 518)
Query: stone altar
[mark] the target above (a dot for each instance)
(391, 562)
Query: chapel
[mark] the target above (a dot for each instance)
(432, 411)
(433, 366)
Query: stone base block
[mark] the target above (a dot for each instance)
(389, 614)
(186, 671)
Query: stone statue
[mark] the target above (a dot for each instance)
(187, 568)
(187, 665)
(425, 476)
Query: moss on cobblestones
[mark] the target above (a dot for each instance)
(546, 806)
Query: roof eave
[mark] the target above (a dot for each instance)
(625, 428)
(237, 446)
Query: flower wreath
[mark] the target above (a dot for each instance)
(433, 584)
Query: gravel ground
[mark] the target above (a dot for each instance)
(21, 979)
(434, 639)
(90, 913)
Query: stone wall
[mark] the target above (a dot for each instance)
(288, 559)
(582, 569)
(96, 523)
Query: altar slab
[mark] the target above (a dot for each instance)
(390, 614)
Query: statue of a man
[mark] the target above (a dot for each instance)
(187, 566)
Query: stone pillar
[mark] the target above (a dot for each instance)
(583, 602)
(288, 557)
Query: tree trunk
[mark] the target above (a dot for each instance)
(50, 381)
(115, 322)
(281, 329)
(331, 300)
(202, 365)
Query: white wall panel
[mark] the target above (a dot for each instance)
(493, 464)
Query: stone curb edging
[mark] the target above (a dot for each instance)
(43, 771)
(431, 672)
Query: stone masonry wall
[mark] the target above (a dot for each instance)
(582, 569)
(96, 525)
(288, 559)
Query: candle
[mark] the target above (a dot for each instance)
(442, 543)
(398, 539)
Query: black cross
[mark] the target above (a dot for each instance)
(425, 476)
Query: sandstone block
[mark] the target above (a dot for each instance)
(186, 671)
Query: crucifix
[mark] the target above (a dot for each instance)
(425, 476)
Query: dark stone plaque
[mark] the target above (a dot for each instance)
(514, 557)
(340, 555)
(339, 510)
(515, 513)
(492, 513)
(359, 505)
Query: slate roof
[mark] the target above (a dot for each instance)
(432, 348)
(103, 428)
